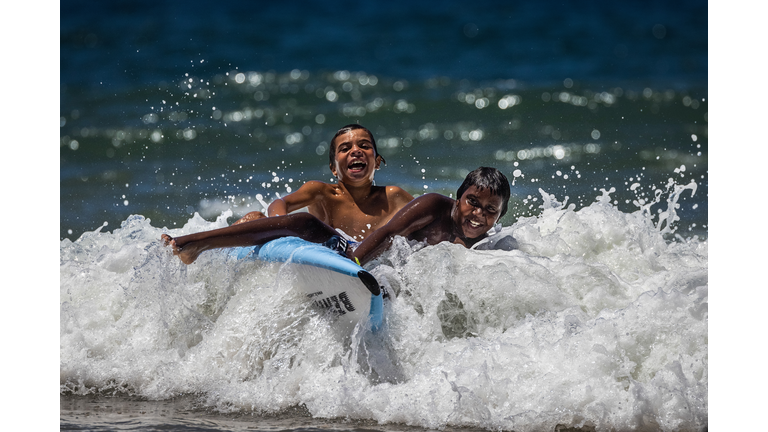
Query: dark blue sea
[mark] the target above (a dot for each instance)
(179, 116)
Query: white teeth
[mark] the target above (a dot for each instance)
(474, 224)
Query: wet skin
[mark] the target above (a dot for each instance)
(432, 218)
(476, 212)
(435, 218)
(353, 205)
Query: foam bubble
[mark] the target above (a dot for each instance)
(597, 319)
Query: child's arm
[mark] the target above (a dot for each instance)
(307, 194)
(416, 215)
(304, 196)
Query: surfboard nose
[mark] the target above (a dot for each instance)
(370, 282)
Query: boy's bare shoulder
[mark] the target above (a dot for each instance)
(311, 193)
(314, 185)
(318, 189)
(396, 190)
(397, 194)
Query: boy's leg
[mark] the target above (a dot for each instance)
(250, 216)
(252, 233)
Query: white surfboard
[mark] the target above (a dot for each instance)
(329, 280)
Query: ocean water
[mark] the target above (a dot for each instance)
(180, 117)
(596, 321)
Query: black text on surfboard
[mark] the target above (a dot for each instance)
(340, 304)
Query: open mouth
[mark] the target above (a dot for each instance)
(357, 166)
(474, 224)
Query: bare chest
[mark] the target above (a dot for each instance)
(357, 220)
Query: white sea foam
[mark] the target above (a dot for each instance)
(597, 319)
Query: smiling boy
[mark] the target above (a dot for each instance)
(354, 205)
(433, 218)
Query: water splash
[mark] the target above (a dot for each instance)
(597, 320)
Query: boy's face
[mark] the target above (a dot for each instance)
(477, 210)
(355, 160)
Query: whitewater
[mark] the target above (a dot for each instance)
(599, 320)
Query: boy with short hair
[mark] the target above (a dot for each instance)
(433, 218)
(354, 205)
(482, 200)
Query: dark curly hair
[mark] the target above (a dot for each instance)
(486, 177)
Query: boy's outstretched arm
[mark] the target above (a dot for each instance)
(416, 215)
(307, 194)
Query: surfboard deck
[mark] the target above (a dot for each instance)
(330, 281)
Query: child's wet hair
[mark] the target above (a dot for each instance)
(349, 128)
(491, 178)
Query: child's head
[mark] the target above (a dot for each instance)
(346, 129)
(491, 179)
